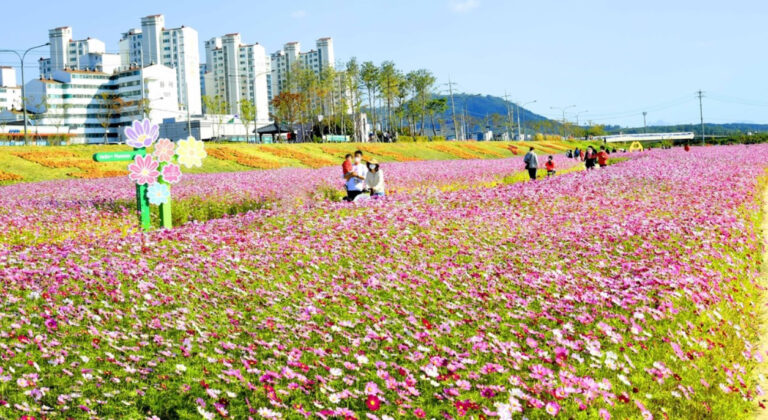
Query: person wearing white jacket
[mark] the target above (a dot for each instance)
(374, 179)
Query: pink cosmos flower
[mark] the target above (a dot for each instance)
(171, 173)
(419, 413)
(143, 170)
(164, 150)
(552, 408)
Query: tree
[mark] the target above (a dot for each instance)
(110, 106)
(389, 78)
(353, 87)
(423, 82)
(247, 115)
(217, 106)
(436, 106)
(287, 106)
(369, 75)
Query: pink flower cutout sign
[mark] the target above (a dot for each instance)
(154, 173)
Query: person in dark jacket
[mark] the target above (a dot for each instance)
(531, 163)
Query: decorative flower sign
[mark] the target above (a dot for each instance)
(154, 173)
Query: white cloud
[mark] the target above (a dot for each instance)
(298, 14)
(464, 6)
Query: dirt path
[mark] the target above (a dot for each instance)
(762, 413)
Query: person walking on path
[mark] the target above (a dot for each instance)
(590, 158)
(374, 180)
(602, 157)
(531, 163)
(356, 177)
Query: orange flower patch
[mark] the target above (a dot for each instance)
(7, 176)
(387, 152)
(56, 159)
(245, 159)
(483, 151)
(454, 150)
(303, 157)
(336, 151)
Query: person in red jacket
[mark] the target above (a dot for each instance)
(550, 165)
(602, 157)
(346, 167)
(687, 148)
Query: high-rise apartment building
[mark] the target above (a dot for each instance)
(175, 47)
(69, 54)
(286, 61)
(238, 71)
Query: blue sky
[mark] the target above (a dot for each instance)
(613, 59)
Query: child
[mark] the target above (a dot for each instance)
(550, 165)
(346, 167)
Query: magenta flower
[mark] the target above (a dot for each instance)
(141, 133)
(164, 150)
(171, 173)
(51, 323)
(143, 170)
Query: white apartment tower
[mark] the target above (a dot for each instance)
(176, 48)
(69, 54)
(238, 71)
(10, 91)
(284, 62)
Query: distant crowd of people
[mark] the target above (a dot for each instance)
(362, 178)
(589, 156)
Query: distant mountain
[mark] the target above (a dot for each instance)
(483, 106)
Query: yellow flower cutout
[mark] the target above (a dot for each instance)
(191, 152)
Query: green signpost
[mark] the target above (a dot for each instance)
(154, 173)
(142, 203)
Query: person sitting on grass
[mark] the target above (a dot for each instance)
(356, 178)
(550, 165)
(531, 163)
(374, 180)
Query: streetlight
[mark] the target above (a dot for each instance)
(577, 116)
(563, 109)
(23, 90)
(518, 116)
(645, 126)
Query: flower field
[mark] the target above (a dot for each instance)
(626, 292)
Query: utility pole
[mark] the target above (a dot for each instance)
(453, 109)
(517, 105)
(466, 127)
(509, 117)
(563, 109)
(645, 126)
(701, 113)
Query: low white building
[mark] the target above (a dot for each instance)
(95, 106)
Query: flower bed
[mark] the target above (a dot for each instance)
(455, 151)
(245, 159)
(7, 176)
(305, 158)
(625, 292)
